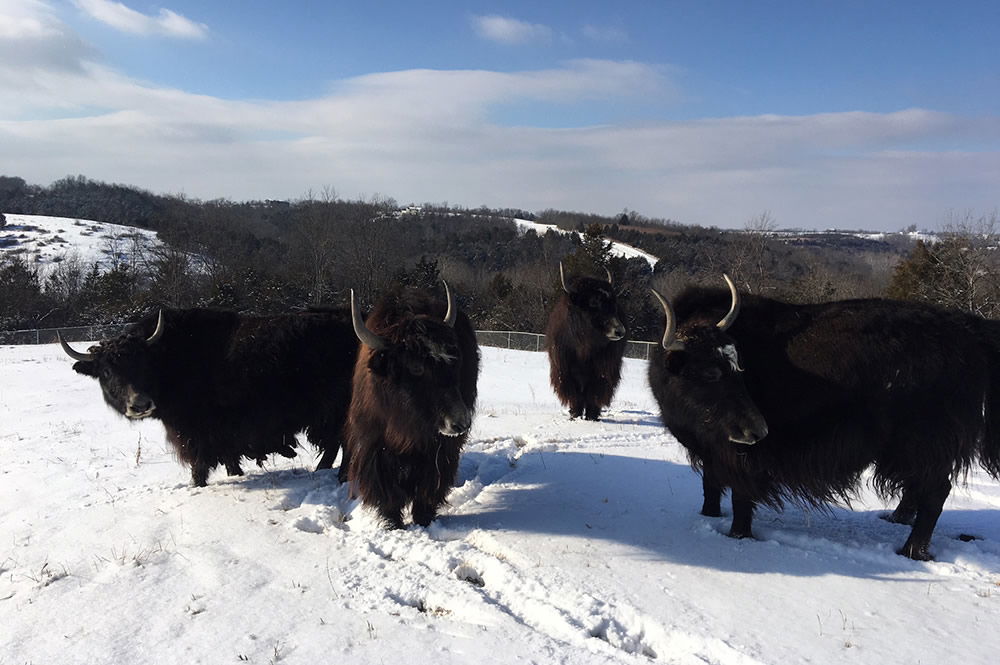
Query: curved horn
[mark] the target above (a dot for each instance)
(669, 343)
(367, 337)
(608, 272)
(158, 333)
(71, 352)
(734, 309)
(562, 278)
(452, 313)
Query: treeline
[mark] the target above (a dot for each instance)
(275, 256)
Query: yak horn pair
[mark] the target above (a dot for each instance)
(669, 343)
(562, 278)
(373, 341)
(87, 357)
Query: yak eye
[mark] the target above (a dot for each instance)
(711, 374)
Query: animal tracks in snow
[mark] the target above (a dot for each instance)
(455, 572)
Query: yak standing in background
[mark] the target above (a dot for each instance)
(586, 342)
(412, 403)
(228, 386)
(781, 402)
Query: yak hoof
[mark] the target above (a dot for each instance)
(739, 534)
(711, 511)
(915, 552)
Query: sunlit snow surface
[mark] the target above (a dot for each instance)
(564, 542)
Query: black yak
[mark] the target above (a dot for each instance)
(586, 342)
(412, 403)
(228, 386)
(781, 402)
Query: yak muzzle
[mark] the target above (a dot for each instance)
(138, 405)
(748, 435)
(456, 424)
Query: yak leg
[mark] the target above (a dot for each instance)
(906, 511)
(199, 473)
(433, 488)
(576, 382)
(233, 467)
(329, 454)
(929, 502)
(345, 465)
(742, 517)
(711, 491)
(592, 412)
(424, 512)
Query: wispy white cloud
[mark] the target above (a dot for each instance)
(507, 30)
(422, 135)
(167, 23)
(33, 40)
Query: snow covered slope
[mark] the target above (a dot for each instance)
(564, 542)
(617, 248)
(46, 240)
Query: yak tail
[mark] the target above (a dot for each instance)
(989, 445)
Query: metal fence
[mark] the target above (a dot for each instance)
(77, 334)
(525, 341)
(504, 339)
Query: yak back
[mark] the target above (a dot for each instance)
(222, 365)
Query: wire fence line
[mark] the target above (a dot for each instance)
(504, 339)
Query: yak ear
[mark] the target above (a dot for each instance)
(676, 360)
(86, 367)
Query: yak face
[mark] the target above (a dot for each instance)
(707, 393)
(698, 376)
(595, 302)
(125, 369)
(593, 308)
(419, 366)
(423, 370)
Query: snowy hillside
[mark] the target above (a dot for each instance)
(617, 248)
(565, 542)
(47, 240)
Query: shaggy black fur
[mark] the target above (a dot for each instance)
(423, 383)
(228, 386)
(585, 361)
(910, 390)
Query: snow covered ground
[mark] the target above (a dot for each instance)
(47, 240)
(564, 542)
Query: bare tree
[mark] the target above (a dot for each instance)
(751, 255)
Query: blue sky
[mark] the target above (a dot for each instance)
(842, 114)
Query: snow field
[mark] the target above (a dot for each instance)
(563, 542)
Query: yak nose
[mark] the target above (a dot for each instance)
(751, 433)
(616, 331)
(457, 424)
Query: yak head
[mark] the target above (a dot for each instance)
(125, 368)
(701, 378)
(417, 361)
(593, 306)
